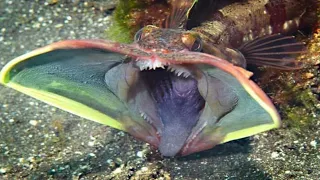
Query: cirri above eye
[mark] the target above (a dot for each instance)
(138, 35)
(192, 41)
(143, 32)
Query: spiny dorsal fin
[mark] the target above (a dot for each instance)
(275, 50)
(179, 13)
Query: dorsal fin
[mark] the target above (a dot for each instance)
(179, 13)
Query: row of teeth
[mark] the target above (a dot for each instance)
(145, 117)
(179, 71)
(149, 65)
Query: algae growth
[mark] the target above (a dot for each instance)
(131, 15)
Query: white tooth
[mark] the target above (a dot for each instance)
(143, 115)
(179, 73)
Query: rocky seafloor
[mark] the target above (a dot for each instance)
(38, 141)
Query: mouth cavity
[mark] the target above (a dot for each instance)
(178, 104)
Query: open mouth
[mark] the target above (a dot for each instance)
(181, 109)
(178, 106)
(177, 101)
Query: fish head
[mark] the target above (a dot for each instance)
(160, 40)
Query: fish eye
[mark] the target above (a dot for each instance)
(197, 45)
(192, 41)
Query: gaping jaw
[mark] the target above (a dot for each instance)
(205, 101)
(176, 100)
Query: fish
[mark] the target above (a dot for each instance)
(179, 90)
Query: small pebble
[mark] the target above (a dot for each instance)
(33, 122)
(3, 170)
(118, 170)
(309, 75)
(313, 143)
(78, 152)
(92, 155)
(36, 25)
(109, 161)
(40, 19)
(274, 155)
(58, 26)
(21, 160)
(91, 143)
(52, 2)
(144, 169)
(140, 154)
(31, 159)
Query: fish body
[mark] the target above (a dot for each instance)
(234, 25)
(240, 22)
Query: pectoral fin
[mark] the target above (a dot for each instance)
(276, 51)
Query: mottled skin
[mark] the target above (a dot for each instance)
(238, 23)
(160, 40)
(228, 28)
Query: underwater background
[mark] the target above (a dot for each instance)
(38, 141)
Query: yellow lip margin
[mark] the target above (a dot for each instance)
(240, 74)
(58, 101)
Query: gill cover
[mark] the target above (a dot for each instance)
(71, 76)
